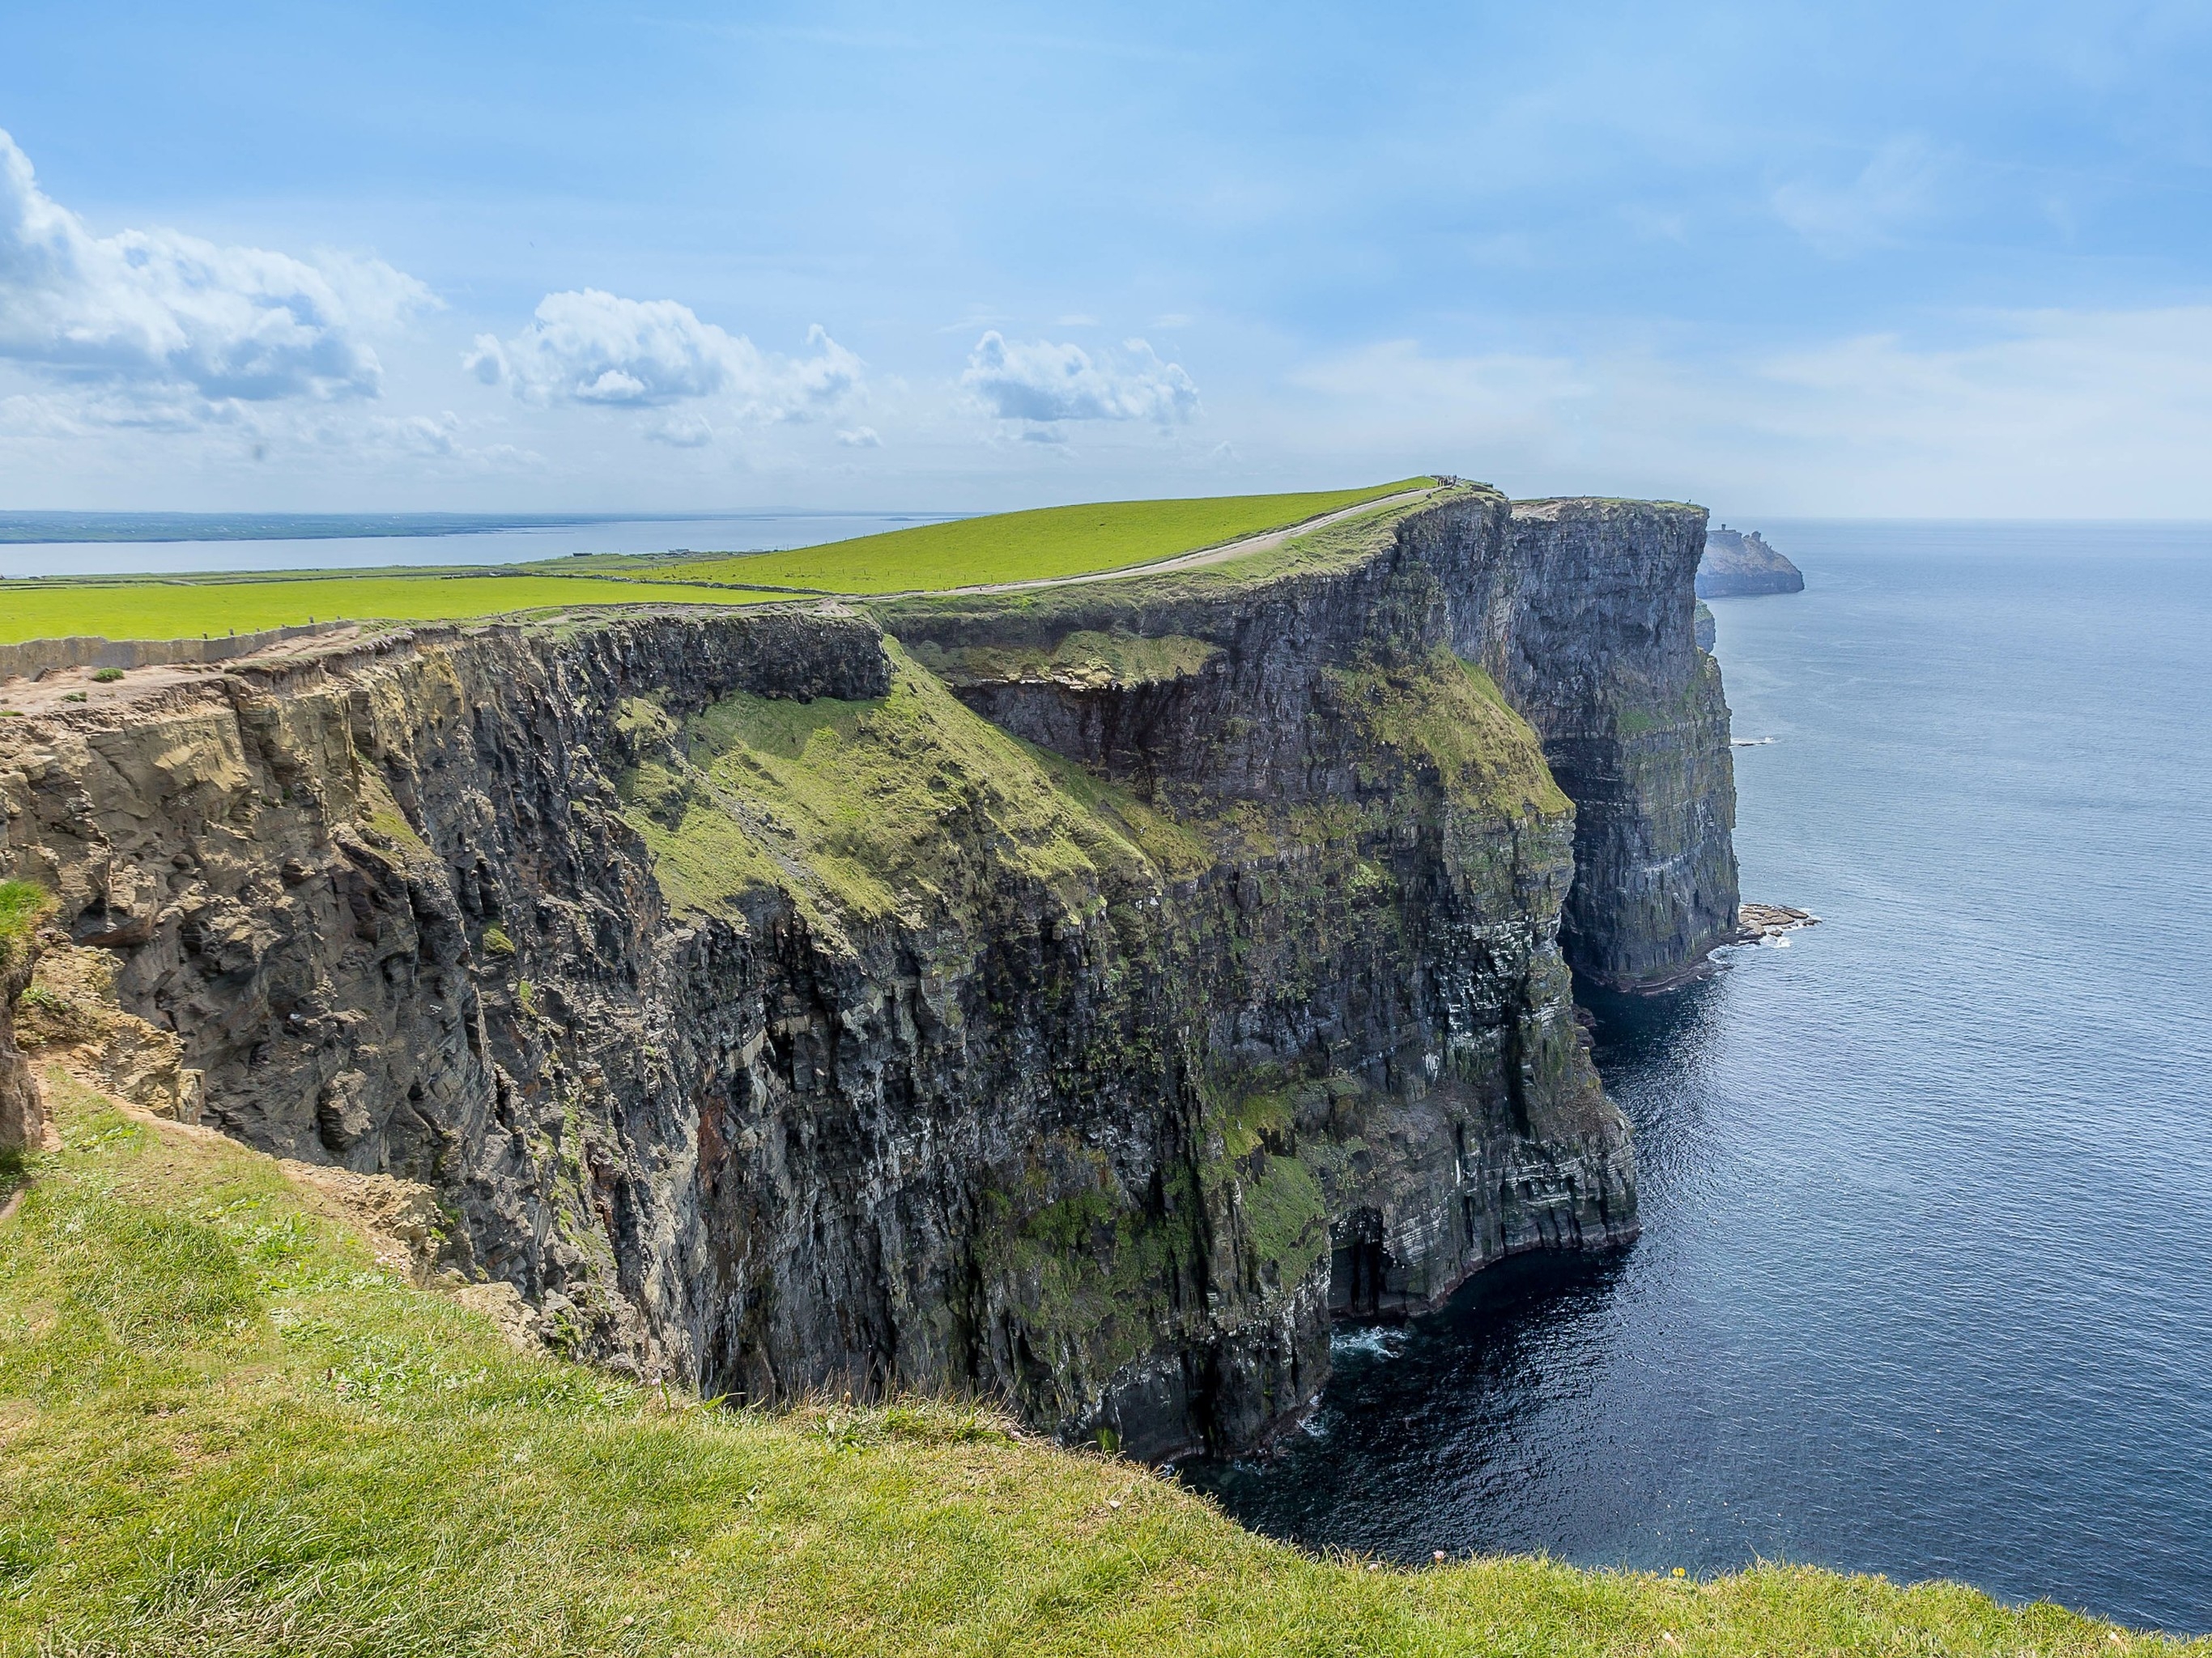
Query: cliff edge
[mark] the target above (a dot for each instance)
(1076, 996)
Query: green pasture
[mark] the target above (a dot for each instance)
(1034, 546)
(180, 609)
(1054, 541)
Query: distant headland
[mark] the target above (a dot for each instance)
(1739, 563)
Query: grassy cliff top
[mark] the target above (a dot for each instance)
(172, 607)
(1049, 543)
(1187, 596)
(1052, 544)
(234, 1427)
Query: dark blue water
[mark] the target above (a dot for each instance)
(1925, 1286)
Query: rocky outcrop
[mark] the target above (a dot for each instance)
(1738, 564)
(1073, 997)
(68, 1015)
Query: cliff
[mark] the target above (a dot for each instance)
(1592, 632)
(1739, 564)
(1073, 996)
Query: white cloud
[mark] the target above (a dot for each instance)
(159, 318)
(2019, 414)
(861, 437)
(1897, 186)
(595, 347)
(423, 445)
(1041, 382)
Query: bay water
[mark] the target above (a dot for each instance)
(1925, 1282)
(186, 549)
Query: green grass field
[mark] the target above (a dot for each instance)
(1034, 546)
(1055, 541)
(228, 1431)
(176, 609)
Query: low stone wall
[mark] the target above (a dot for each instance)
(38, 656)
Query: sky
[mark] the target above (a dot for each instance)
(1927, 259)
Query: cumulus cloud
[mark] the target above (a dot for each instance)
(598, 348)
(153, 315)
(1040, 382)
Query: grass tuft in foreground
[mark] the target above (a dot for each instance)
(24, 906)
(228, 1430)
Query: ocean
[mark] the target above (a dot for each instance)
(1925, 1282)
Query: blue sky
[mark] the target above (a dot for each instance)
(1792, 259)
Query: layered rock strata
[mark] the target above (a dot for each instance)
(1073, 998)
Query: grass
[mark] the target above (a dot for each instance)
(1056, 540)
(177, 609)
(1188, 597)
(229, 1431)
(1051, 542)
(910, 805)
(24, 907)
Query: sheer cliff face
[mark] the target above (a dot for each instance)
(1073, 999)
(1593, 638)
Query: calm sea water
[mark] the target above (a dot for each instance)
(731, 533)
(1925, 1286)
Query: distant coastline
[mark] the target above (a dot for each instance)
(31, 527)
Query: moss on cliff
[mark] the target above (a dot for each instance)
(908, 807)
(1287, 1217)
(1446, 713)
(232, 1430)
(1095, 1269)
